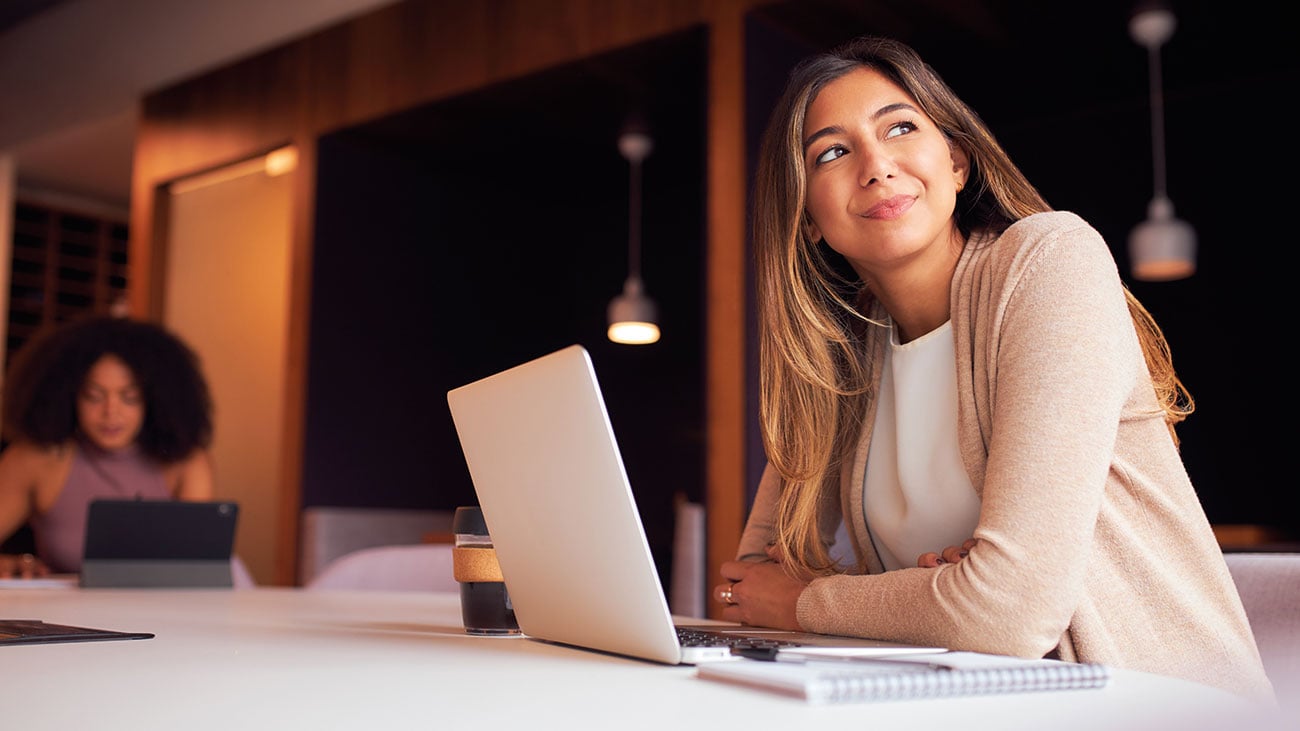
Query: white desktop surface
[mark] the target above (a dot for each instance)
(288, 659)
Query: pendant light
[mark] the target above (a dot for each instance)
(633, 319)
(1162, 247)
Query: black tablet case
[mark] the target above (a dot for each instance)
(159, 543)
(34, 631)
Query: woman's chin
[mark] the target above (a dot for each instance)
(113, 443)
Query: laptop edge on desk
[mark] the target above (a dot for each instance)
(556, 498)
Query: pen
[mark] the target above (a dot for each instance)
(768, 654)
(777, 654)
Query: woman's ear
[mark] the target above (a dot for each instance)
(960, 166)
(810, 229)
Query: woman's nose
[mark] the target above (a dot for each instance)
(874, 167)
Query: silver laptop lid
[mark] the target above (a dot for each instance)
(549, 477)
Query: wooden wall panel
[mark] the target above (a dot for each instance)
(295, 382)
(418, 52)
(240, 112)
(725, 354)
(391, 60)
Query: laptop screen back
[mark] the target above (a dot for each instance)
(555, 496)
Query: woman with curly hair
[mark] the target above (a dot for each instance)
(103, 407)
(955, 374)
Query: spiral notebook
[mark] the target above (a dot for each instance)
(862, 680)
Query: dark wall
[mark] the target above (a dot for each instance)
(1081, 131)
(381, 339)
(1073, 110)
(457, 240)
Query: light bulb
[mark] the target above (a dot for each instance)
(1162, 248)
(633, 316)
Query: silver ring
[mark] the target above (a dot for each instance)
(726, 593)
(27, 559)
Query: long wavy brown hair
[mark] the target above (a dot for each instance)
(813, 379)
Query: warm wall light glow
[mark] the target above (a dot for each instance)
(276, 162)
(634, 333)
(281, 161)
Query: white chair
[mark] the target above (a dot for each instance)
(1269, 585)
(240, 576)
(420, 567)
(687, 592)
(331, 532)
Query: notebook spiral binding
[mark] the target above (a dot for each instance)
(839, 686)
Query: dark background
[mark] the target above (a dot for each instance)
(495, 230)
(458, 239)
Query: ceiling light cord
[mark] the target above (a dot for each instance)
(633, 317)
(1157, 121)
(1162, 247)
(635, 147)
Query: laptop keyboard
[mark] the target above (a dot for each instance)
(695, 637)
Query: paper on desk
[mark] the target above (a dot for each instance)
(53, 581)
(35, 631)
(811, 652)
(979, 661)
(948, 659)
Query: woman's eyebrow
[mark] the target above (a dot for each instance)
(824, 131)
(834, 129)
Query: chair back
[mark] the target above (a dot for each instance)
(689, 588)
(420, 567)
(331, 532)
(1269, 585)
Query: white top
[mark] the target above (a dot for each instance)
(917, 497)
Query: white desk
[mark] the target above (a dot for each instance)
(290, 659)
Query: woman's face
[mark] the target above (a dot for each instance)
(110, 406)
(882, 177)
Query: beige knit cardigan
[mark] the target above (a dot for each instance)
(1092, 541)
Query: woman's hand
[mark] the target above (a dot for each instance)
(761, 593)
(22, 566)
(951, 554)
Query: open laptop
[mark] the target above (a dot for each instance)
(159, 543)
(550, 480)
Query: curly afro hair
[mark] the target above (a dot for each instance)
(40, 393)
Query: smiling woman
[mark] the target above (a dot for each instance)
(975, 399)
(101, 407)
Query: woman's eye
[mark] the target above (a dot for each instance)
(901, 128)
(832, 153)
(131, 398)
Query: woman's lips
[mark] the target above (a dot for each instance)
(890, 208)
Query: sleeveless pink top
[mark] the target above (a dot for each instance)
(60, 532)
